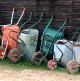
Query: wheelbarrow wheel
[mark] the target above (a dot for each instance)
(36, 58)
(2, 50)
(14, 55)
(52, 64)
(72, 67)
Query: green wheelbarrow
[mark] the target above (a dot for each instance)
(48, 38)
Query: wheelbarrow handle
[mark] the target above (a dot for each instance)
(50, 21)
(20, 16)
(27, 20)
(37, 21)
(63, 25)
(12, 16)
(11, 19)
(75, 34)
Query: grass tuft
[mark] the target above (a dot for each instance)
(24, 64)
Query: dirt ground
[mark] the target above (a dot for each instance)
(7, 74)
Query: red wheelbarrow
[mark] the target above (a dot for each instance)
(10, 36)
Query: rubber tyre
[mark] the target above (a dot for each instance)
(14, 55)
(2, 49)
(37, 56)
(71, 67)
(52, 64)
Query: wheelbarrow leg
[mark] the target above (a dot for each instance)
(3, 50)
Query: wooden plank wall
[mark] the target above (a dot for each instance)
(76, 14)
(61, 8)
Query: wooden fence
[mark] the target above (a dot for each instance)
(60, 8)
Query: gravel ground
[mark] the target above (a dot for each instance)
(7, 74)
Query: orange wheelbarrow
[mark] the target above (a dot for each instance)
(10, 36)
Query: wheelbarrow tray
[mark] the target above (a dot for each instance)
(49, 35)
(76, 49)
(52, 32)
(30, 41)
(10, 36)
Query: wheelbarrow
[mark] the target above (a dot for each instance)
(63, 53)
(7, 42)
(74, 64)
(47, 43)
(30, 38)
(10, 39)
